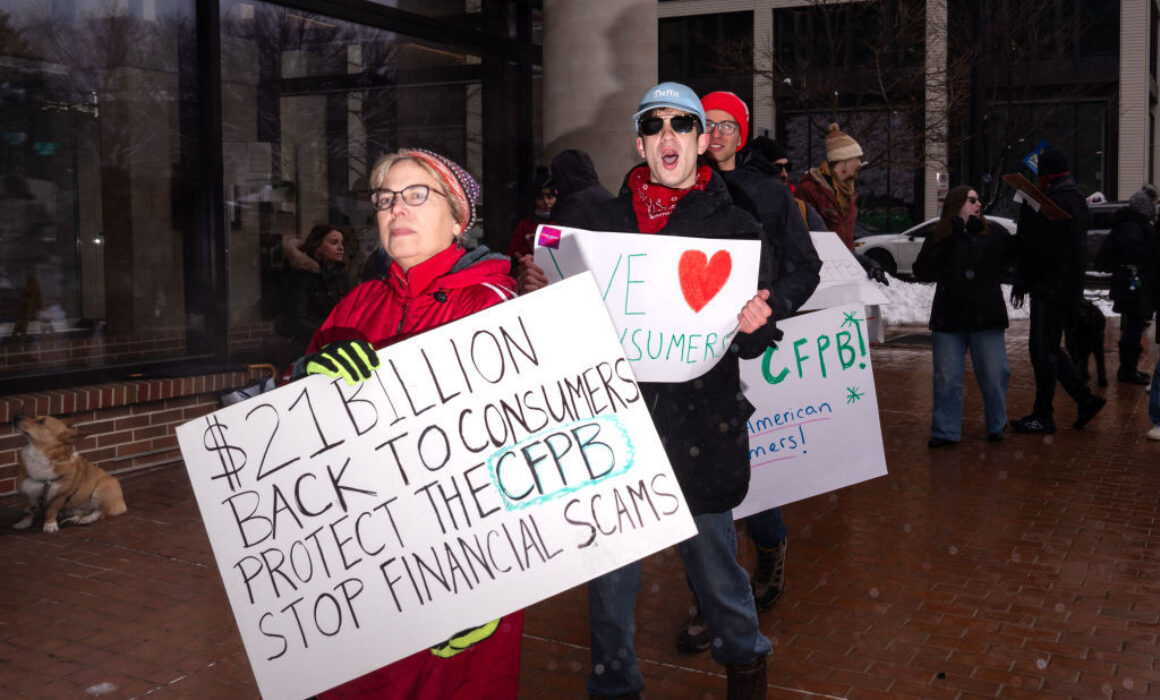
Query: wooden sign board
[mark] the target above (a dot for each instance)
(1045, 206)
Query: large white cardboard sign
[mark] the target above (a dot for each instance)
(842, 279)
(816, 426)
(674, 301)
(489, 464)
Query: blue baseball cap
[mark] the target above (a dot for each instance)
(672, 95)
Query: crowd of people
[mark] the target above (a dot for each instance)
(702, 176)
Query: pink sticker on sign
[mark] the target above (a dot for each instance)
(549, 237)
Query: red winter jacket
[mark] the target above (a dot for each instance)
(453, 284)
(814, 189)
(449, 286)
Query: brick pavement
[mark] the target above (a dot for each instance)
(1022, 569)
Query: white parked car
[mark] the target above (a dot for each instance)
(896, 252)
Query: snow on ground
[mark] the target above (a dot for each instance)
(910, 303)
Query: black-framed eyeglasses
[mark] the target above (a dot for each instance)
(727, 127)
(786, 166)
(413, 196)
(681, 123)
(973, 200)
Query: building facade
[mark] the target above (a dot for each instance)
(157, 155)
(938, 92)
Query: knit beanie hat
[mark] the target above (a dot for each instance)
(735, 106)
(840, 146)
(1144, 201)
(1052, 162)
(768, 148)
(463, 187)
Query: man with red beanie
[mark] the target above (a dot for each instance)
(753, 182)
(791, 263)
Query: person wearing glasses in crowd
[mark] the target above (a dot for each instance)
(791, 265)
(544, 191)
(967, 258)
(701, 422)
(830, 185)
(424, 203)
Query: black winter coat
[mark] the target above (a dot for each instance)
(306, 300)
(789, 263)
(967, 268)
(576, 182)
(701, 422)
(1051, 253)
(1129, 253)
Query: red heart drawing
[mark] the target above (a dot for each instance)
(701, 277)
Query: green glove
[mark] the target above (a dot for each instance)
(465, 639)
(352, 360)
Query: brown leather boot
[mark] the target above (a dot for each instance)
(746, 682)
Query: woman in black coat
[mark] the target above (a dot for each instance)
(966, 257)
(310, 291)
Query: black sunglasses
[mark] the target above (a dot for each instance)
(682, 124)
(973, 200)
(786, 166)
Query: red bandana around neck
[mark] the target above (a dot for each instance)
(653, 203)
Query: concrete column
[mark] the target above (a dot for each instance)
(599, 58)
(764, 110)
(1135, 18)
(935, 176)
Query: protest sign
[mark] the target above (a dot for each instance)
(1034, 197)
(842, 279)
(674, 300)
(815, 427)
(488, 464)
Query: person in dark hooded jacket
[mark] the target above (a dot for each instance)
(967, 258)
(577, 185)
(1050, 267)
(1129, 253)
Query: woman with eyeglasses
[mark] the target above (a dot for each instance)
(967, 257)
(424, 203)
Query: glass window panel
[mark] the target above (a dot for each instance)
(708, 52)
(309, 104)
(90, 152)
(499, 15)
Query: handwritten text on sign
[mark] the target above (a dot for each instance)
(488, 464)
(674, 301)
(842, 278)
(815, 427)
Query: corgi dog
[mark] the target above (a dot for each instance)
(58, 481)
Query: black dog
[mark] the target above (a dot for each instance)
(1084, 336)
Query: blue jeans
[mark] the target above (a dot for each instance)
(766, 528)
(1154, 394)
(721, 585)
(989, 358)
